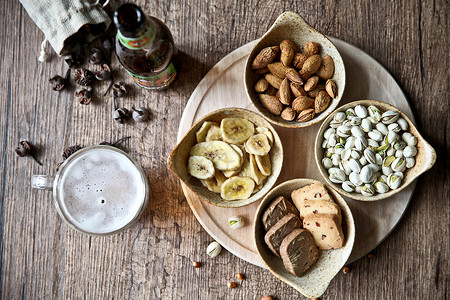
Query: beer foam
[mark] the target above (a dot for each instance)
(101, 191)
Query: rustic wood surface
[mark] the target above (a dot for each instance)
(42, 258)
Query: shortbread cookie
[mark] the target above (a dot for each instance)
(280, 230)
(315, 191)
(314, 207)
(279, 207)
(298, 251)
(325, 229)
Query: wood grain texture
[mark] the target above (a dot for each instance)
(42, 258)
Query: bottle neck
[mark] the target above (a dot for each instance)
(140, 39)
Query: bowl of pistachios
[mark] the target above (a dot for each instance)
(369, 150)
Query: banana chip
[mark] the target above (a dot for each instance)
(236, 130)
(223, 156)
(237, 188)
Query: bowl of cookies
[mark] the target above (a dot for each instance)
(294, 75)
(229, 158)
(304, 233)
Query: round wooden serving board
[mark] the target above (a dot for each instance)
(223, 86)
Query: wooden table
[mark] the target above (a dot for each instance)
(41, 257)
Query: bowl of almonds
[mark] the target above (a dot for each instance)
(229, 158)
(294, 75)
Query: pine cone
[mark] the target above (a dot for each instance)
(70, 150)
(83, 77)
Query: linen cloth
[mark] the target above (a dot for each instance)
(61, 19)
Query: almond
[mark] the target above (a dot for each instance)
(312, 48)
(288, 50)
(306, 115)
(299, 59)
(265, 57)
(288, 114)
(302, 103)
(271, 103)
(297, 90)
(311, 83)
(331, 88)
(314, 92)
(262, 71)
(273, 80)
(271, 91)
(321, 102)
(310, 66)
(277, 69)
(326, 69)
(285, 92)
(293, 76)
(261, 85)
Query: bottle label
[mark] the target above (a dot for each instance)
(139, 42)
(162, 79)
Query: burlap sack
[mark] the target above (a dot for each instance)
(63, 21)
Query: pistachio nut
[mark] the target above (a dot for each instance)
(391, 137)
(350, 143)
(360, 143)
(386, 170)
(390, 152)
(394, 181)
(373, 179)
(335, 159)
(410, 162)
(410, 151)
(339, 117)
(361, 111)
(345, 155)
(325, 144)
(412, 141)
(358, 189)
(350, 112)
(329, 132)
(332, 140)
(399, 175)
(399, 153)
(381, 187)
(342, 140)
(343, 131)
(326, 163)
(354, 165)
(375, 135)
(381, 128)
(378, 159)
(394, 127)
(398, 165)
(355, 121)
(356, 154)
(374, 113)
(389, 117)
(338, 176)
(388, 161)
(366, 174)
(355, 179)
(335, 124)
(403, 124)
(213, 249)
(357, 131)
(382, 178)
(363, 161)
(338, 148)
(373, 145)
(236, 222)
(399, 145)
(374, 167)
(368, 190)
(344, 166)
(366, 125)
(370, 156)
(328, 153)
(348, 186)
(383, 148)
(372, 120)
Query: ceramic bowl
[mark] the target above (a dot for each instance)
(315, 281)
(291, 26)
(425, 158)
(178, 159)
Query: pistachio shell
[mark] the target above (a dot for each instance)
(381, 128)
(356, 154)
(399, 145)
(398, 165)
(355, 121)
(399, 153)
(368, 190)
(357, 131)
(391, 137)
(389, 117)
(236, 222)
(345, 155)
(370, 156)
(335, 159)
(393, 181)
(360, 143)
(386, 170)
(375, 168)
(340, 117)
(390, 152)
(388, 161)
(343, 131)
(355, 179)
(410, 151)
(354, 165)
(372, 144)
(381, 187)
(410, 162)
(344, 166)
(363, 161)
(348, 186)
(337, 176)
(403, 124)
(366, 125)
(335, 124)
(326, 163)
(329, 132)
(213, 249)
(394, 127)
(375, 135)
(366, 174)
(361, 111)
(378, 159)
(374, 113)
(338, 148)
(350, 112)
(358, 189)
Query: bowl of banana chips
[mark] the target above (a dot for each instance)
(230, 158)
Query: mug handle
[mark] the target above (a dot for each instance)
(42, 182)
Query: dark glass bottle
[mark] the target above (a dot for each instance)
(144, 47)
